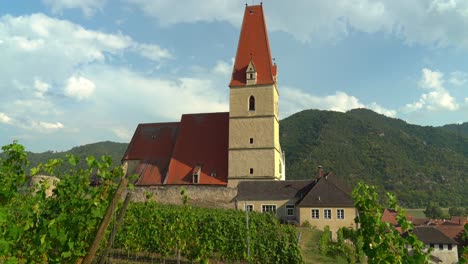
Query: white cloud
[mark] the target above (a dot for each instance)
(45, 127)
(381, 110)
(223, 68)
(88, 7)
(458, 78)
(123, 133)
(153, 52)
(436, 22)
(431, 79)
(438, 98)
(41, 88)
(162, 99)
(294, 100)
(79, 87)
(4, 118)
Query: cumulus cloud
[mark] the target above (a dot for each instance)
(4, 118)
(294, 100)
(438, 98)
(436, 22)
(88, 7)
(79, 87)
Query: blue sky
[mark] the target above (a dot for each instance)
(74, 72)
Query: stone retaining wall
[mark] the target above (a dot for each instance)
(198, 195)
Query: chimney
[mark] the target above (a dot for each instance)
(319, 172)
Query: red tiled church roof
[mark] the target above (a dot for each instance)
(152, 145)
(170, 152)
(253, 45)
(202, 141)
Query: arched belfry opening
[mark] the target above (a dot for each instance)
(252, 103)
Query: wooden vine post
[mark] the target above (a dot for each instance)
(105, 222)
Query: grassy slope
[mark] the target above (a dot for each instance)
(310, 240)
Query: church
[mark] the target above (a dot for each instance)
(238, 150)
(220, 148)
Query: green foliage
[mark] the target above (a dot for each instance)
(434, 211)
(418, 164)
(324, 240)
(201, 234)
(35, 228)
(306, 224)
(381, 242)
(464, 254)
(457, 211)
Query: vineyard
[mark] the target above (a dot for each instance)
(64, 227)
(201, 234)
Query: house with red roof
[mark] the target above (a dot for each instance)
(218, 149)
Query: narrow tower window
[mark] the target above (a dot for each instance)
(251, 140)
(252, 103)
(251, 170)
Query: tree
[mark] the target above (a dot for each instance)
(381, 242)
(456, 211)
(434, 211)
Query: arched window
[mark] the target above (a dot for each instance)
(252, 103)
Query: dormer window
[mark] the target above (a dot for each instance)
(252, 103)
(196, 174)
(251, 74)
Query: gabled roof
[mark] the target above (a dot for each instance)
(431, 235)
(202, 141)
(253, 46)
(327, 192)
(152, 145)
(272, 190)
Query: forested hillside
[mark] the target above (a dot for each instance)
(112, 149)
(419, 164)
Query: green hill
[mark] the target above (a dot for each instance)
(459, 129)
(112, 149)
(419, 164)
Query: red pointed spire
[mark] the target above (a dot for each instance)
(253, 46)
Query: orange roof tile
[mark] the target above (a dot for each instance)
(202, 141)
(253, 45)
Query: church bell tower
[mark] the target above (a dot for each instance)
(254, 147)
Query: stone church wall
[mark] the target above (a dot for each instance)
(198, 195)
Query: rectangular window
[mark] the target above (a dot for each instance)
(340, 213)
(315, 214)
(269, 208)
(327, 213)
(251, 170)
(195, 178)
(290, 210)
(251, 140)
(249, 207)
(441, 246)
(431, 245)
(449, 246)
